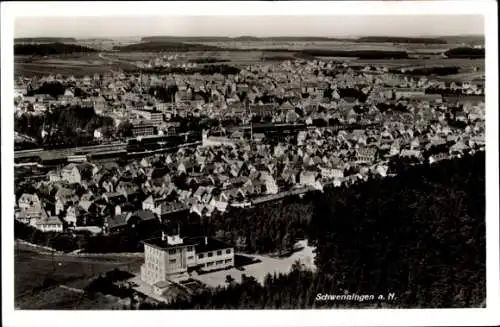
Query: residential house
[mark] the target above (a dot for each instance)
(458, 148)
(54, 176)
(28, 202)
(149, 204)
(220, 202)
(164, 209)
(438, 157)
(128, 190)
(130, 220)
(114, 198)
(308, 178)
(365, 155)
(332, 173)
(71, 174)
(270, 183)
(49, 224)
(411, 153)
(63, 197)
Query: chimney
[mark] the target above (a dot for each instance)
(206, 240)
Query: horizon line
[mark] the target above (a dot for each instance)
(255, 36)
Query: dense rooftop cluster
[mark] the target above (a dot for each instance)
(358, 122)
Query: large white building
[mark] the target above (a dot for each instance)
(156, 117)
(170, 257)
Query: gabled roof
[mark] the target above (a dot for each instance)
(122, 219)
(53, 220)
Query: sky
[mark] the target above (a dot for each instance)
(324, 26)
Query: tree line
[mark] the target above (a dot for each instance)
(45, 49)
(71, 125)
(222, 69)
(465, 52)
(396, 39)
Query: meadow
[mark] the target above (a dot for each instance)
(43, 281)
(89, 64)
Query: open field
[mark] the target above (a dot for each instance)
(76, 64)
(88, 64)
(38, 276)
(330, 45)
(59, 298)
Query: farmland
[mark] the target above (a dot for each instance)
(233, 53)
(38, 277)
(75, 64)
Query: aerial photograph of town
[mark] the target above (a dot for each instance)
(249, 168)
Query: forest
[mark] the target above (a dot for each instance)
(397, 39)
(46, 49)
(165, 46)
(54, 89)
(44, 39)
(470, 53)
(420, 235)
(72, 125)
(269, 227)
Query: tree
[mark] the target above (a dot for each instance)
(125, 129)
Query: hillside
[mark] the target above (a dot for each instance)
(185, 39)
(392, 39)
(45, 49)
(44, 40)
(466, 39)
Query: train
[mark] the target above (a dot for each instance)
(156, 142)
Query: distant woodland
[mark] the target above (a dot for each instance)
(45, 49)
(166, 46)
(391, 39)
(208, 60)
(73, 125)
(222, 69)
(470, 53)
(374, 39)
(44, 39)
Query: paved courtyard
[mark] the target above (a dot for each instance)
(260, 269)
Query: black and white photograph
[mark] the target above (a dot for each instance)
(181, 157)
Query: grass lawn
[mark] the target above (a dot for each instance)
(37, 276)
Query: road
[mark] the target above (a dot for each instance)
(117, 61)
